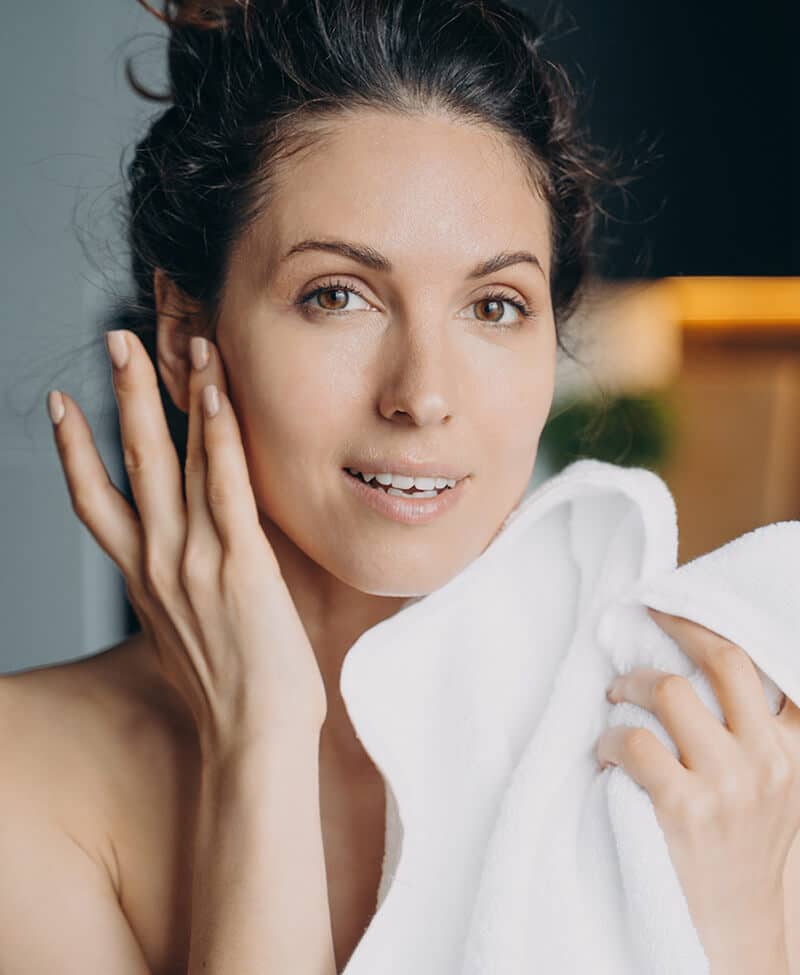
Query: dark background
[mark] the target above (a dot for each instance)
(702, 91)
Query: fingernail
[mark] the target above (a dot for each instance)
(117, 348)
(198, 349)
(55, 406)
(210, 400)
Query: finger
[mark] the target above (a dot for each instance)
(648, 762)
(700, 738)
(228, 487)
(730, 671)
(151, 460)
(201, 533)
(96, 500)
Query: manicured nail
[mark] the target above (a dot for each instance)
(117, 348)
(198, 349)
(55, 406)
(210, 400)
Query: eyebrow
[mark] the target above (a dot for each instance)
(378, 262)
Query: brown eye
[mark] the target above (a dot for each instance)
(340, 304)
(333, 291)
(496, 313)
(494, 304)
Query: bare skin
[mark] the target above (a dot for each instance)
(419, 366)
(100, 761)
(121, 778)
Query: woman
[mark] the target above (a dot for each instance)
(357, 231)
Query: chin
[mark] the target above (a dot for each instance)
(409, 577)
(407, 587)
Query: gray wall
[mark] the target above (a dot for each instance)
(66, 116)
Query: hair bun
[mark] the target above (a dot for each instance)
(202, 14)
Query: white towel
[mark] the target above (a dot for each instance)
(507, 851)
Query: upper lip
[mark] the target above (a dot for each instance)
(410, 468)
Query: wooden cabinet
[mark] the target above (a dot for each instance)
(735, 464)
(725, 353)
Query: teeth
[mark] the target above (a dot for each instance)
(404, 483)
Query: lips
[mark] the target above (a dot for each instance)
(409, 509)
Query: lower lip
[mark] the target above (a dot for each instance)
(408, 510)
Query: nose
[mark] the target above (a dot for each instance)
(420, 375)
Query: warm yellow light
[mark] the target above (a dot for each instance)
(731, 302)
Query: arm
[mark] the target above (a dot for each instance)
(260, 902)
(59, 911)
(260, 897)
(207, 589)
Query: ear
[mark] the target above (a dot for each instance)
(178, 317)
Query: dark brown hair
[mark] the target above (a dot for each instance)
(251, 82)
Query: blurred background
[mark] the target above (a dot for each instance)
(688, 348)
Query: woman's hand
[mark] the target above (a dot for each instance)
(730, 808)
(200, 573)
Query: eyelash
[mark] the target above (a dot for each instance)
(524, 310)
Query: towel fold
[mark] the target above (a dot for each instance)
(507, 851)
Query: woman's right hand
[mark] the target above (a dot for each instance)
(200, 573)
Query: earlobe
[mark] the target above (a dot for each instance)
(177, 319)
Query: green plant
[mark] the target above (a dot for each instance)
(633, 430)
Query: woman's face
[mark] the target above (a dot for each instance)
(408, 361)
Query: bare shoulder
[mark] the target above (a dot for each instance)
(97, 788)
(85, 742)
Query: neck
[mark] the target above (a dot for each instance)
(334, 615)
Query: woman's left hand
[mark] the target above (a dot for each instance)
(730, 807)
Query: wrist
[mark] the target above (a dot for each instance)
(757, 947)
(247, 742)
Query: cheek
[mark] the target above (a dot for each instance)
(512, 414)
(285, 418)
(290, 394)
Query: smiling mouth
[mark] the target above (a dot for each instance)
(375, 485)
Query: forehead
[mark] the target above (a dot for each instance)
(442, 193)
